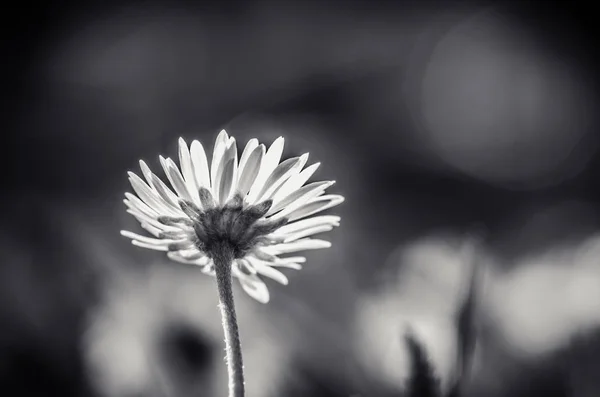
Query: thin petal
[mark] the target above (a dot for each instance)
(262, 255)
(235, 166)
(150, 246)
(147, 195)
(190, 209)
(200, 164)
(132, 201)
(174, 177)
(192, 254)
(185, 162)
(226, 173)
(245, 266)
(290, 259)
(175, 235)
(209, 270)
(236, 272)
(177, 181)
(146, 239)
(146, 172)
(300, 245)
(219, 149)
(281, 174)
(273, 274)
(151, 229)
(181, 245)
(308, 232)
(175, 256)
(251, 168)
(255, 287)
(270, 162)
(316, 205)
(226, 182)
(143, 218)
(264, 269)
(169, 198)
(298, 198)
(295, 227)
(248, 149)
(144, 192)
(294, 183)
(288, 265)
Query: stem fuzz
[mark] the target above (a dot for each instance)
(222, 256)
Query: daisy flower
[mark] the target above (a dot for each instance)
(260, 207)
(233, 218)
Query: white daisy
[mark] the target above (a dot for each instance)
(259, 207)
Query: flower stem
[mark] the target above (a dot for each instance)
(222, 257)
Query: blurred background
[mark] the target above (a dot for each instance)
(438, 120)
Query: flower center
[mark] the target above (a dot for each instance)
(235, 225)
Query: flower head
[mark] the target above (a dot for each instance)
(258, 207)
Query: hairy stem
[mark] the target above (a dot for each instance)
(223, 257)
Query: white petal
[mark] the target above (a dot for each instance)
(290, 259)
(146, 239)
(294, 183)
(235, 166)
(192, 253)
(226, 181)
(152, 241)
(139, 208)
(248, 149)
(200, 164)
(177, 257)
(308, 232)
(132, 201)
(300, 245)
(150, 246)
(143, 218)
(270, 162)
(146, 172)
(178, 236)
(245, 266)
(303, 160)
(250, 170)
(170, 199)
(226, 173)
(255, 287)
(281, 174)
(298, 198)
(295, 227)
(140, 216)
(175, 177)
(209, 270)
(187, 169)
(236, 272)
(144, 192)
(289, 265)
(218, 150)
(151, 229)
(149, 196)
(267, 271)
(316, 205)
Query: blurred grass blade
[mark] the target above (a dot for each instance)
(466, 319)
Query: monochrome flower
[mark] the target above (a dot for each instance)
(257, 206)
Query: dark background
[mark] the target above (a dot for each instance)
(431, 116)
